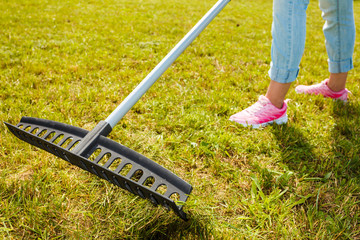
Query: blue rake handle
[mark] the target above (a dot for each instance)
(154, 75)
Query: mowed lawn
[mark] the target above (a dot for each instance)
(75, 61)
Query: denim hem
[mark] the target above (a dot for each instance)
(341, 66)
(283, 75)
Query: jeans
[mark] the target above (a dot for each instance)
(289, 30)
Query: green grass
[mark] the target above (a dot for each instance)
(74, 61)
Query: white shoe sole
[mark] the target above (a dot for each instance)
(278, 121)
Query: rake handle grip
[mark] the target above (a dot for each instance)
(154, 75)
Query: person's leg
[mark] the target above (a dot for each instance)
(337, 81)
(276, 93)
(288, 32)
(339, 31)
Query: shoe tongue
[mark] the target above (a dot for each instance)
(263, 100)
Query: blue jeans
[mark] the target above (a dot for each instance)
(289, 29)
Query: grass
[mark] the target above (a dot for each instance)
(74, 61)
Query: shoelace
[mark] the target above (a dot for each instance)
(318, 87)
(323, 88)
(257, 108)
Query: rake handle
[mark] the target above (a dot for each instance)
(165, 63)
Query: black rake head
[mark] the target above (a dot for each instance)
(106, 159)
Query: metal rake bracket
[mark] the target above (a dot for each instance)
(108, 160)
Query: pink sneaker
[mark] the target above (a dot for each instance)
(323, 89)
(262, 113)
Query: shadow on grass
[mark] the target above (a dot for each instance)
(296, 151)
(298, 154)
(346, 138)
(174, 228)
(323, 192)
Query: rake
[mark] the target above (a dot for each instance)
(78, 146)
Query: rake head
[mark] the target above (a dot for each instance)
(107, 159)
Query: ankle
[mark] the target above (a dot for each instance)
(335, 87)
(337, 81)
(279, 103)
(276, 93)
